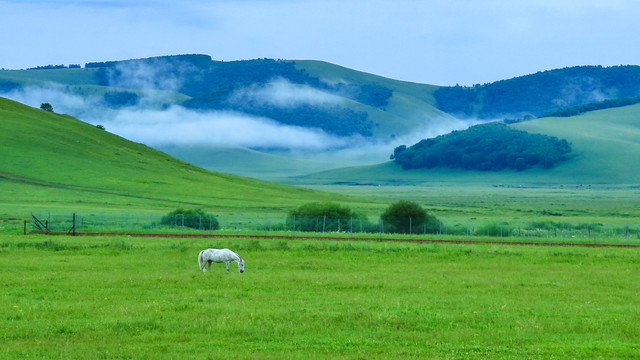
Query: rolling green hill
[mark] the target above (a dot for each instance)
(605, 145)
(363, 103)
(378, 108)
(55, 162)
(311, 95)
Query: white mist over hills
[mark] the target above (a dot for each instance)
(179, 126)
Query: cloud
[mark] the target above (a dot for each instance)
(62, 101)
(180, 126)
(282, 93)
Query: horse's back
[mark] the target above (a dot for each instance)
(218, 255)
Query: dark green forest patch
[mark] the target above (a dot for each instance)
(486, 147)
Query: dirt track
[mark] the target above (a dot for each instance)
(424, 241)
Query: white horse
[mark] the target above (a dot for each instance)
(219, 256)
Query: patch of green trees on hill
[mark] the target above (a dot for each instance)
(540, 93)
(601, 105)
(486, 147)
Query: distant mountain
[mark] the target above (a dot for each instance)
(342, 111)
(299, 93)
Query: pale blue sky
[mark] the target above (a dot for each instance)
(441, 42)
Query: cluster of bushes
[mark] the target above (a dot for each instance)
(486, 147)
(400, 217)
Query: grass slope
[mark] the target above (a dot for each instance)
(605, 146)
(55, 161)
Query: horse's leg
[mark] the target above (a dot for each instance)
(203, 264)
(209, 262)
(227, 266)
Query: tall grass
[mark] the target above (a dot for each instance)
(127, 297)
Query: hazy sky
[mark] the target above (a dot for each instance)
(441, 42)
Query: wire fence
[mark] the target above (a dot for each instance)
(324, 226)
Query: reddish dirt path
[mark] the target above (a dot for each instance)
(423, 241)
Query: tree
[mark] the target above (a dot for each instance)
(397, 151)
(406, 216)
(46, 107)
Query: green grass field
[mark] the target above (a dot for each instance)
(135, 298)
(120, 297)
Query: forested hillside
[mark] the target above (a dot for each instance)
(540, 93)
(219, 85)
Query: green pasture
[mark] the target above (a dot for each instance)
(141, 298)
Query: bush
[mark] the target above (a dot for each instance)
(326, 216)
(191, 218)
(409, 217)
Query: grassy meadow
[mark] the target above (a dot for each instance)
(142, 298)
(121, 297)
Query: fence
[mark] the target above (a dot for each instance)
(324, 225)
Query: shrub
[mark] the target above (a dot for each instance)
(407, 216)
(326, 216)
(191, 218)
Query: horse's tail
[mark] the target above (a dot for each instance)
(201, 261)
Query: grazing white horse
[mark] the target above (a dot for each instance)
(219, 256)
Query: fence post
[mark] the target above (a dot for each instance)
(74, 224)
(324, 222)
(25, 227)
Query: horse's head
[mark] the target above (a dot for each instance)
(241, 265)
